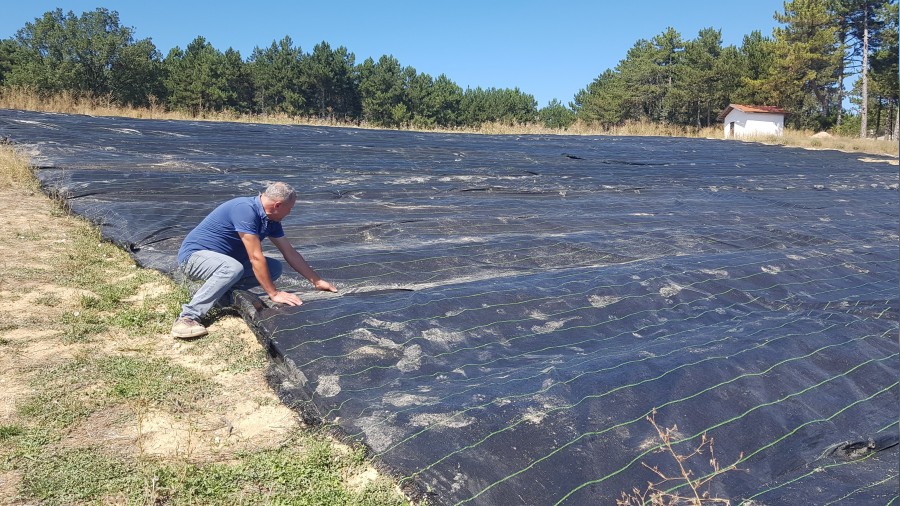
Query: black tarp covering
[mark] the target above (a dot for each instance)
(513, 307)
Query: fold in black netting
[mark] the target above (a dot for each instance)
(512, 308)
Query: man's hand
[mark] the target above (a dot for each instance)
(325, 286)
(286, 298)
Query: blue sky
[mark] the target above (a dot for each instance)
(550, 49)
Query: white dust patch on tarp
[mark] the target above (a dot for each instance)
(443, 336)
(451, 420)
(329, 386)
(402, 400)
(392, 326)
(379, 430)
(718, 273)
(600, 301)
(671, 290)
(412, 359)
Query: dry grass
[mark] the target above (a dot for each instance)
(15, 171)
(805, 139)
(631, 128)
(70, 103)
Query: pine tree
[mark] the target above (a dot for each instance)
(864, 27)
(328, 78)
(276, 74)
(602, 101)
(803, 77)
(195, 77)
(382, 90)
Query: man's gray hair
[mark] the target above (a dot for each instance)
(281, 192)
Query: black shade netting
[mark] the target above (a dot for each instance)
(513, 308)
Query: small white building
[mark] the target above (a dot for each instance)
(752, 121)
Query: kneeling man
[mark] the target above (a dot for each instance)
(225, 252)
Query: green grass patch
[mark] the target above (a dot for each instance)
(56, 409)
(82, 325)
(137, 319)
(229, 348)
(154, 381)
(149, 317)
(77, 476)
(98, 303)
(21, 443)
(29, 235)
(107, 307)
(91, 263)
(27, 273)
(255, 359)
(107, 296)
(307, 471)
(82, 264)
(71, 392)
(49, 300)
(10, 431)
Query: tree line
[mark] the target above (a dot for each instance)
(95, 54)
(801, 67)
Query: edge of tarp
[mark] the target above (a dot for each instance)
(287, 381)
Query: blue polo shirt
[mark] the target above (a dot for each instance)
(219, 230)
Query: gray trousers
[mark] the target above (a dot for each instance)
(220, 274)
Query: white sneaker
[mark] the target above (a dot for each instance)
(188, 328)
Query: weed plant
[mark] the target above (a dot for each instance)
(683, 487)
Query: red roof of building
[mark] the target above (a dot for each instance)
(771, 109)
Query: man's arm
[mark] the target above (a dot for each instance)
(298, 263)
(261, 271)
